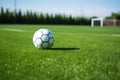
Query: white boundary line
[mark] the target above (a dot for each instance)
(20, 30)
(8, 29)
(115, 35)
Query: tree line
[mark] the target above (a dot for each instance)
(29, 17)
(114, 16)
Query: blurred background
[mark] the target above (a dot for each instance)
(72, 12)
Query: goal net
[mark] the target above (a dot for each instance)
(97, 22)
(112, 22)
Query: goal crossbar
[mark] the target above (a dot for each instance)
(97, 19)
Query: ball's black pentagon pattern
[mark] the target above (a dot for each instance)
(44, 40)
(44, 44)
(50, 35)
(51, 40)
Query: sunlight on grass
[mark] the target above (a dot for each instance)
(79, 53)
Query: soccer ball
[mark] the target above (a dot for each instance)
(43, 38)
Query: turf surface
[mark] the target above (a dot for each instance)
(79, 53)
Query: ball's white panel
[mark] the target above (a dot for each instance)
(45, 44)
(38, 41)
(45, 37)
(38, 34)
(45, 31)
(51, 40)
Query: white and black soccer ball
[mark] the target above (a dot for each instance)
(43, 38)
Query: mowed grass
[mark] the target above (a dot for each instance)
(79, 53)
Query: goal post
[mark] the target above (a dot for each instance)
(97, 22)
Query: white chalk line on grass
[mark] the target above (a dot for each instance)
(16, 30)
(115, 35)
(20, 30)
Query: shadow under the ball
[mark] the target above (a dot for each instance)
(64, 48)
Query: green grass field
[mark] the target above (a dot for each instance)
(79, 53)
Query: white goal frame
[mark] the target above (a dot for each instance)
(96, 19)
